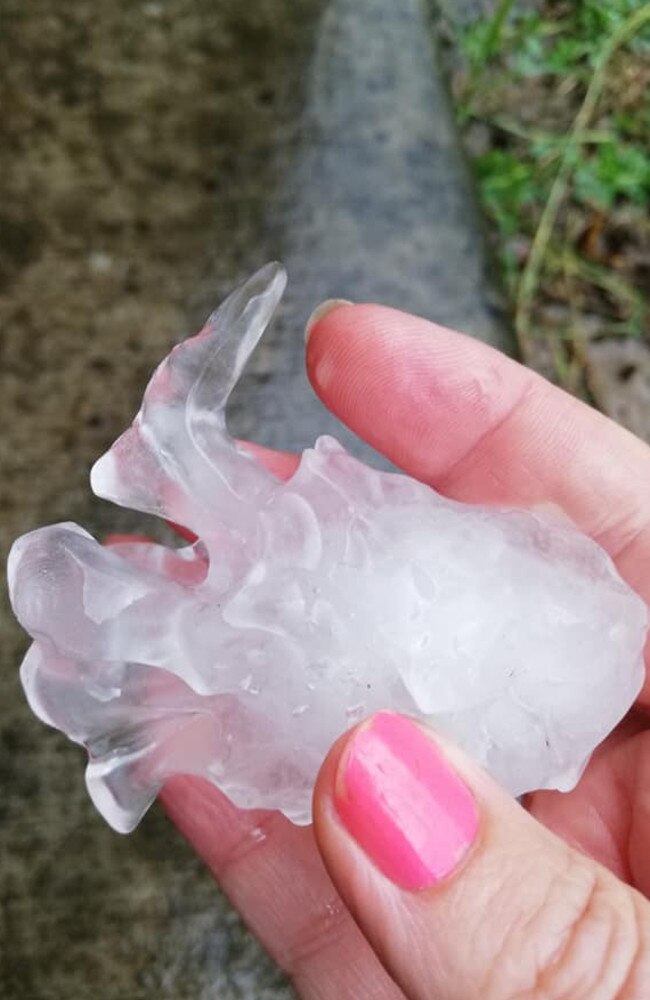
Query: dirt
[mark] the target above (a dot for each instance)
(152, 154)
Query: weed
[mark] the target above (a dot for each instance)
(565, 95)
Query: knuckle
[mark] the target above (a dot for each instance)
(585, 937)
(591, 946)
(321, 931)
(245, 841)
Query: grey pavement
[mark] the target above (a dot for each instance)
(152, 155)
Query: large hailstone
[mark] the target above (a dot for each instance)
(304, 606)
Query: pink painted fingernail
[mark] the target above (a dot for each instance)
(402, 802)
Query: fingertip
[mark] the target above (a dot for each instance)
(320, 312)
(421, 394)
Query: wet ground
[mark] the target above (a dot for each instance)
(153, 154)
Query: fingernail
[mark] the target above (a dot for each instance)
(402, 802)
(329, 305)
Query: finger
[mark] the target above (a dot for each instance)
(459, 415)
(120, 539)
(463, 895)
(281, 463)
(607, 815)
(273, 875)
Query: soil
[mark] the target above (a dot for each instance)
(153, 153)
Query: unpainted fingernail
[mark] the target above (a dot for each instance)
(328, 306)
(403, 803)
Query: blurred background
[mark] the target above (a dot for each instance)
(485, 164)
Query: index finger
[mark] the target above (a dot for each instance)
(481, 428)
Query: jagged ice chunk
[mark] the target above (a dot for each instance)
(304, 606)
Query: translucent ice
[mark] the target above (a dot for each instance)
(304, 606)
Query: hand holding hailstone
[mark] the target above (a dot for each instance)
(306, 605)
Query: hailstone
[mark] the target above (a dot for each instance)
(304, 606)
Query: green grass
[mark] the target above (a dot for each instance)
(565, 96)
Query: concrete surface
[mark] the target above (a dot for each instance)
(152, 154)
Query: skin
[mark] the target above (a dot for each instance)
(551, 901)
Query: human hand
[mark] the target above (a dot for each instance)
(466, 894)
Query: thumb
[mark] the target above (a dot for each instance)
(461, 893)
